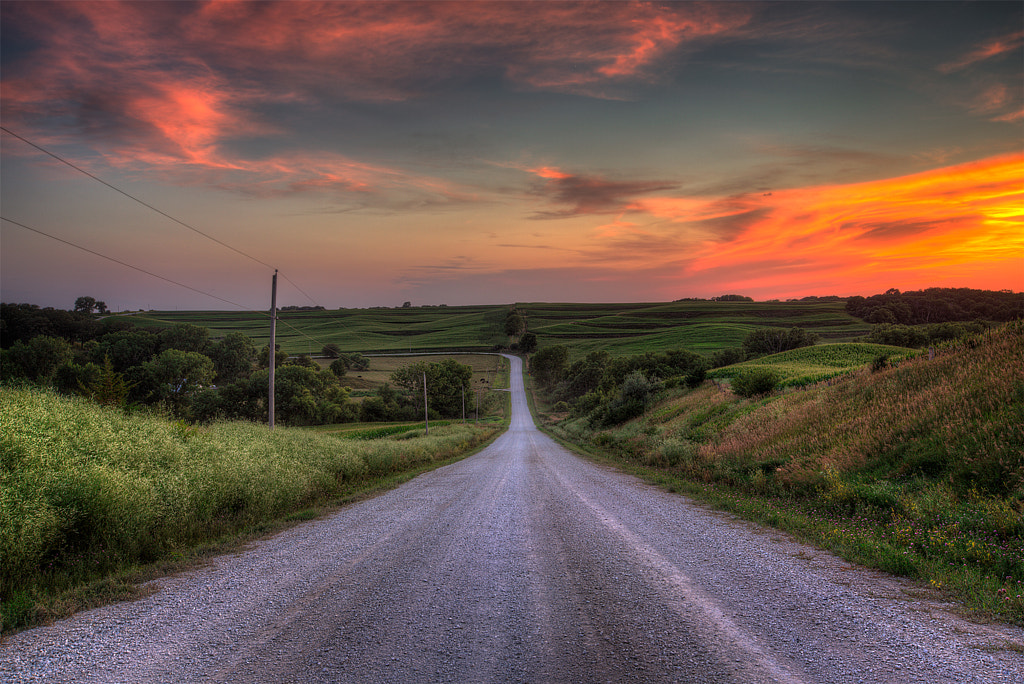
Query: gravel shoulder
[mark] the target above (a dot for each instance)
(523, 563)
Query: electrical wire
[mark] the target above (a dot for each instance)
(150, 206)
(123, 263)
(165, 215)
(160, 277)
(132, 197)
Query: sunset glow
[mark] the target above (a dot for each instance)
(489, 152)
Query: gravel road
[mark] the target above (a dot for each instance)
(523, 563)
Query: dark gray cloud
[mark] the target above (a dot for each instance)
(583, 194)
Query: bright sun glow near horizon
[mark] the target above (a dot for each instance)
(492, 152)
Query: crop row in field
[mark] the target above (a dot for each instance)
(703, 327)
(620, 329)
(362, 330)
(808, 365)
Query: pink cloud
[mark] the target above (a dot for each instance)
(987, 50)
(171, 85)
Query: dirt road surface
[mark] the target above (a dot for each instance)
(523, 563)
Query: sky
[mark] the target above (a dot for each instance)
(498, 152)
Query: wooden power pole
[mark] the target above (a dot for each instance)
(272, 355)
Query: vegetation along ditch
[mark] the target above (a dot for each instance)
(91, 494)
(912, 463)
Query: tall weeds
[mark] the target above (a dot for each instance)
(85, 490)
(916, 468)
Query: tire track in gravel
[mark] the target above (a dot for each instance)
(522, 563)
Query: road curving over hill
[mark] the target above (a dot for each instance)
(522, 563)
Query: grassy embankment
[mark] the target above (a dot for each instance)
(917, 469)
(93, 500)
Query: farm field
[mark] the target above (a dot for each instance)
(808, 365)
(486, 370)
(473, 328)
(621, 329)
(699, 326)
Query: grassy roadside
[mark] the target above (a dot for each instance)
(93, 501)
(916, 470)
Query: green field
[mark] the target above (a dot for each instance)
(620, 329)
(486, 369)
(703, 327)
(468, 328)
(808, 365)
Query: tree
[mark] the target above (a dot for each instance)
(25, 321)
(339, 368)
(355, 361)
(304, 360)
(178, 373)
(38, 359)
(233, 357)
(302, 396)
(776, 340)
(331, 350)
(127, 348)
(85, 305)
(108, 387)
(279, 357)
(186, 337)
(446, 382)
(101, 307)
(515, 324)
(548, 365)
(528, 343)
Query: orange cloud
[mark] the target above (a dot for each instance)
(966, 218)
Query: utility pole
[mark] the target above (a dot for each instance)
(426, 417)
(272, 355)
(463, 403)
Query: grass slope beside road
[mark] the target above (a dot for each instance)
(90, 495)
(916, 469)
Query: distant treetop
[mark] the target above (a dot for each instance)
(937, 305)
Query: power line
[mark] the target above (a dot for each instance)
(162, 213)
(155, 275)
(122, 263)
(316, 303)
(150, 206)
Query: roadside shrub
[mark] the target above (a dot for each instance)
(755, 382)
(630, 401)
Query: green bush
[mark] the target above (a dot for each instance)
(755, 382)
